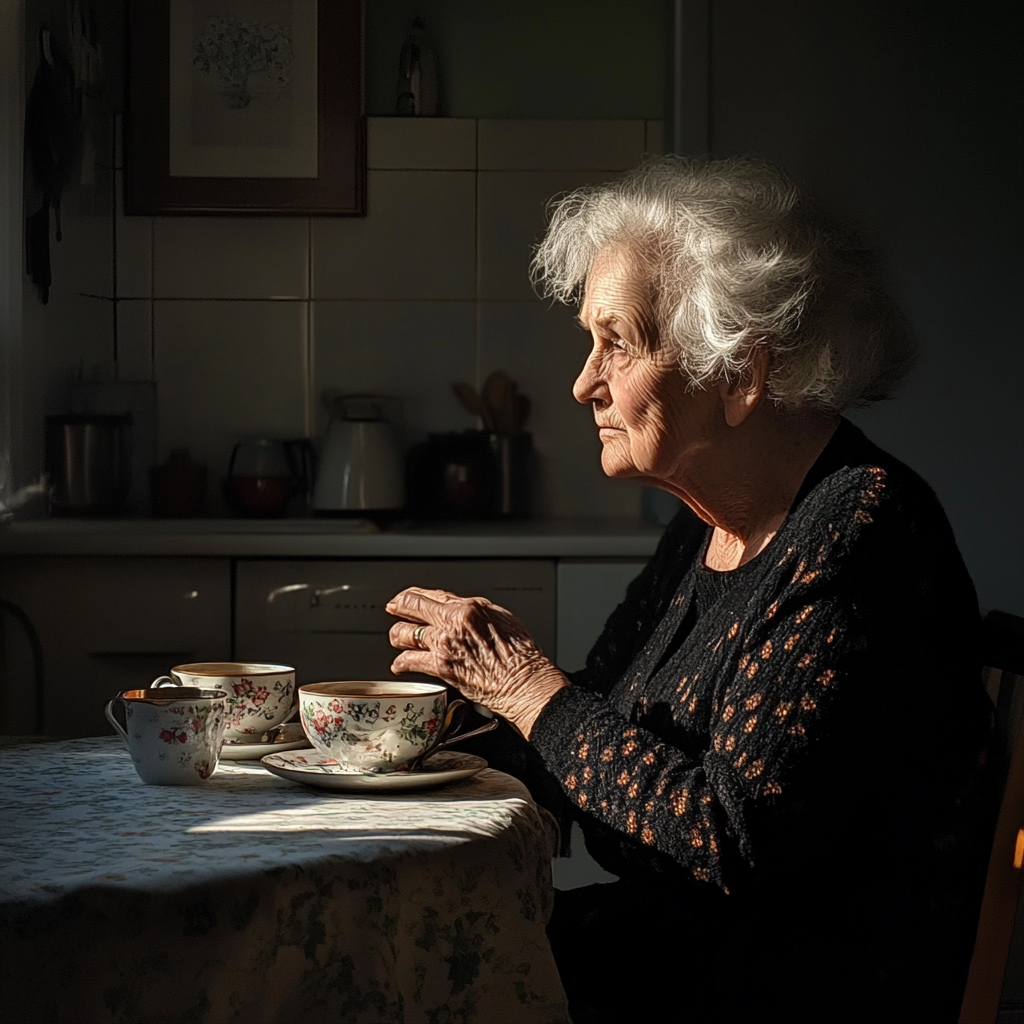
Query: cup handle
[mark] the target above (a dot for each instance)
(162, 681)
(444, 744)
(445, 739)
(109, 712)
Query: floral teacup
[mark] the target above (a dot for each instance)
(174, 738)
(259, 696)
(376, 726)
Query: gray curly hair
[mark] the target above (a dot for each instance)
(737, 257)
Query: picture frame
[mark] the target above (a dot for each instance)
(245, 107)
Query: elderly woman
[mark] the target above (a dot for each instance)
(777, 743)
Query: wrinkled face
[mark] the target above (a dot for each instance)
(650, 424)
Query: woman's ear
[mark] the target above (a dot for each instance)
(741, 396)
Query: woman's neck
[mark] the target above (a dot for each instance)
(750, 478)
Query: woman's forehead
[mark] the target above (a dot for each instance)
(615, 288)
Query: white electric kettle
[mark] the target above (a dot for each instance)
(360, 467)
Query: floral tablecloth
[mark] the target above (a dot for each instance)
(252, 899)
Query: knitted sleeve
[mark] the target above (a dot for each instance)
(766, 687)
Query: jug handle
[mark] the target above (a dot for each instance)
(231, 461)
(302, 459)
(109, 712)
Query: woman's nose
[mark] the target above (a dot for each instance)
(588, 383)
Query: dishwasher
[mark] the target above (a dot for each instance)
(327, 618)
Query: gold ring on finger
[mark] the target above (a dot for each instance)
(417, 634)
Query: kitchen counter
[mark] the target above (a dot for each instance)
(330, 538)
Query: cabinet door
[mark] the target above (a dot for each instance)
(328, 619)
(107, 624)
(588, 593)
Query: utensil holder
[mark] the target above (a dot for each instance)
(513, 456)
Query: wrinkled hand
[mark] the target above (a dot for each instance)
(482, 650)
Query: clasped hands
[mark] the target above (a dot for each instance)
(482, 650)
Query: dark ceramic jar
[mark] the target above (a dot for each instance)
(178, 487)
(452, 476)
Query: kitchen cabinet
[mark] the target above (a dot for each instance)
(588, 591)
(106, 624)
(327, 618)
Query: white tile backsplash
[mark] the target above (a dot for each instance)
(429, 288)
(421, 143)
(82, 261)
(134, 250)
(512, 213)
(228, 370)
(135, 339)
(542, 350)
(416, 242)
(560, 145)
(230, 257)
(414, 351)
(655, 144)
(135, 257)
(78, 331)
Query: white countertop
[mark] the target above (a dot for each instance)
(330, 538)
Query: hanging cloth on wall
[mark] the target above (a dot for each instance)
(53, 141)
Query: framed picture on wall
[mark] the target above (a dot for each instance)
(245, 107)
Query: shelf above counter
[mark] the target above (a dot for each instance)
(330, 538)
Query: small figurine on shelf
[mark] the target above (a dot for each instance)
(417, 75)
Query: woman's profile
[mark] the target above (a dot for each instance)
(779, 741)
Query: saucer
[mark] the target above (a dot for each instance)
(254, 751)
(312, 768)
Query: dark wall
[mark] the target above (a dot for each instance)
(527, 58)
(906, 117)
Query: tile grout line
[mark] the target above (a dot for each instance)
(152, 309)
(113, 233)
(310, 349)
(477, 308)
(152, 313)
(385, 299)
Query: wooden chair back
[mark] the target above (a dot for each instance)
(1004, 677)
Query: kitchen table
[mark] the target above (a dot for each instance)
(253, 899)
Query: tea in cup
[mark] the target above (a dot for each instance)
(174, 738)
(379, 726)
(259, 697)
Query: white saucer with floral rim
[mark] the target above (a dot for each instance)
(287, 736)
(312, 768)
(254, 751)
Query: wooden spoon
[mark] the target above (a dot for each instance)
(473, 403)
(499, 397)
(522, 412)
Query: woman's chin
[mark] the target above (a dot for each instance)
(615, 466)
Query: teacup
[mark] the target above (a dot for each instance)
(259, 696)
(174, 738)
(376, 726)
(380, 726)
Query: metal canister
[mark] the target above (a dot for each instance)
(88, 459)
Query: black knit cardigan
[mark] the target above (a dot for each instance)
(802, 771)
